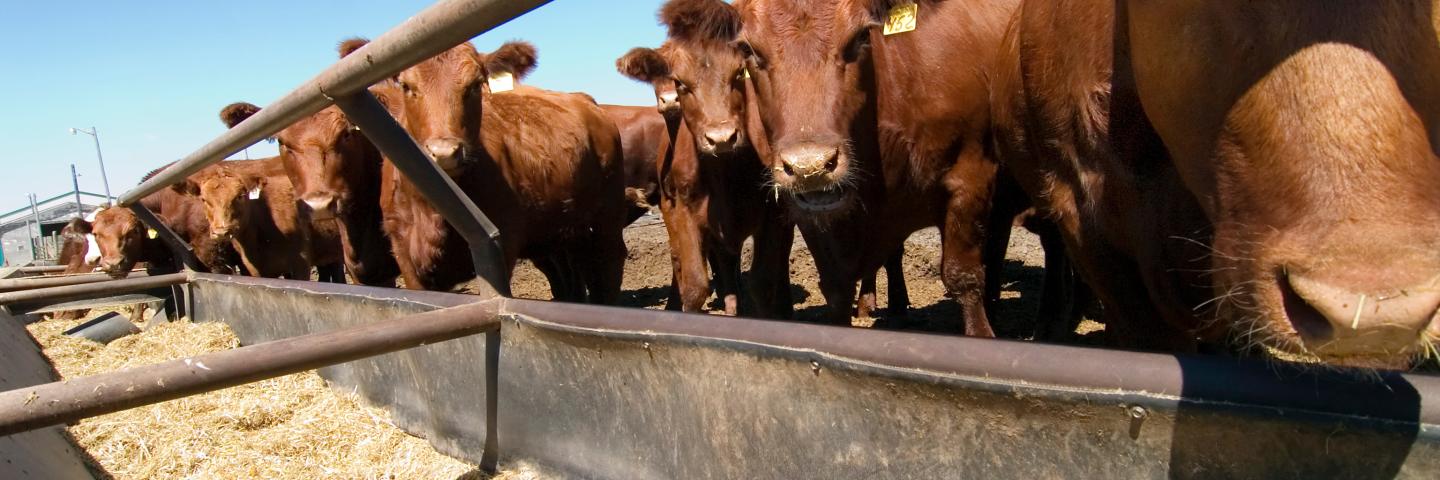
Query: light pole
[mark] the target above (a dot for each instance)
(93, 133)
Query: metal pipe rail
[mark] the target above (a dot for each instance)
(71, 400)
(43, 269)
(92, 289)
(14, 284)
(437, 28)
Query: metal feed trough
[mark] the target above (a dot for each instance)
(601, 392)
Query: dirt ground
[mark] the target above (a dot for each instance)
(647, 277)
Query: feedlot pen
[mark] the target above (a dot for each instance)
(601, 392)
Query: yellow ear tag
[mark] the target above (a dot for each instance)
(747, 72)
(902, 18)
(152, 233)
(502, 82)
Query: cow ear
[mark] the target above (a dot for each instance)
(187, 187)
(643, 64)
(701, 20)
(237, 112)
(350, 45)
(517, 57)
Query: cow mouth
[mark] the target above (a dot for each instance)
(821, 201)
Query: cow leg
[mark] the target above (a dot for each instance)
(897, 304)
(606, 267)
(332, 273)
(687, 254)
(837, 277)
(726, 265)
(962, 256)
(564, 282)
(769, 284)
(1059, 315)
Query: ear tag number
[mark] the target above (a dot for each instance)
(902, 18)
(255, 193)
(502, 82)
(152, 234)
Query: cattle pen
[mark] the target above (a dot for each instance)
(603, 392)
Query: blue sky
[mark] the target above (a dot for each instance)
(152, 75)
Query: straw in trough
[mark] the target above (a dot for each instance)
(283, 428)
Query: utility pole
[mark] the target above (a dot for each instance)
(75, 180)
(94, 133)
(34, 244)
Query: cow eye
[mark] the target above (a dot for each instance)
(753, 58)
(859, 44)
(681, 88)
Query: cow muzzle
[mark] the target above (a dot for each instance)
(322, 207)
(1335, 321)
(719, 140)
(445, 152)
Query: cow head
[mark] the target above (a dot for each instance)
(227, 198)
(704, 69)
(648, 65)
(1312, 151)
(325, 159)
(811, 70)
(325, 156)
(441, 98)
(120, 236)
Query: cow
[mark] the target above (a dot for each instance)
(874, 137)
(79, 254)
(335, 172)
(546, 167)
(252, 204)
(641, 129)
(122, 241)
(711, 179)
(1262, 173)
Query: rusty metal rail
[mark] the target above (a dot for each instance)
(71, 400)
(91, 289)
(11, 285)
(43, 269)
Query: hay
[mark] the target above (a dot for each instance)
(287, 427)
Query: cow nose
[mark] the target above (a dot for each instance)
(443, 149)
(320, 206)
(806, 161)
(720, 139)
(1355, 322)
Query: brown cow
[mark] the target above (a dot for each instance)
(546, 167)
(641, 130)
(79, 254)
(876, 137)
(123, 241)
(1262, 170)
(252, 204)
(711, 178)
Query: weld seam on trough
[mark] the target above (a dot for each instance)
(429, 32)
(92, 289)
(1193, 379)
(74, 399)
